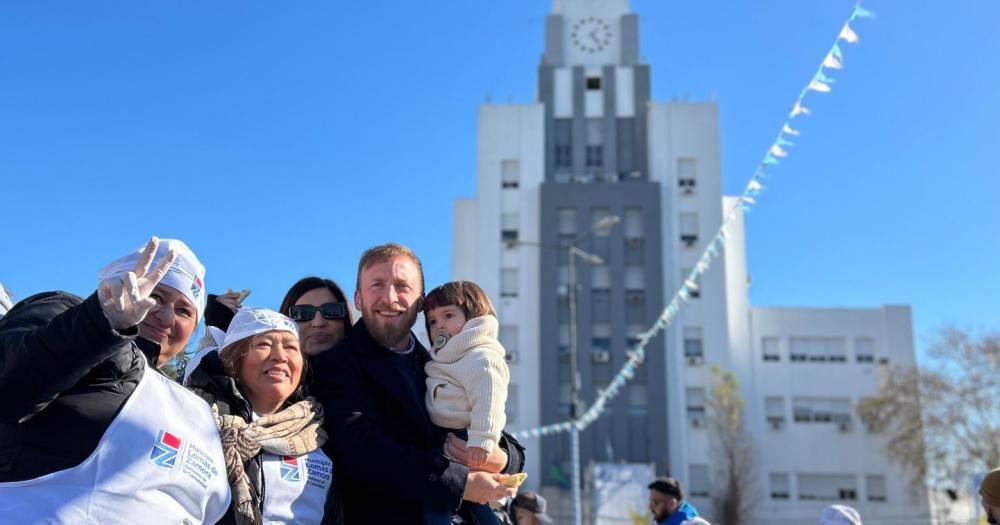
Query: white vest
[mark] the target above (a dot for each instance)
(160, 461)
(295, 488)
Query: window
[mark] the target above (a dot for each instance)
(637, 400)
(593, 156)
(774, 410)
(686, 180)
(633, 223)
(562, 312)
(593, 83)
(508, 227)
(694, 292)
(698, 482)
(508, 337)
(634, 251)
(779, 486)
(508, 282)
(822, 410)
(875, 486)
(567, 221)
(817, 349)
(564, 399)
(827, 487)
(769, 347)
(564, 156)
(635, 306)
(600, 305)
(696, 407)
(600, 277)
(689, 229)
(510, 173)
(864, 349)
(511, 407)
(693, 347)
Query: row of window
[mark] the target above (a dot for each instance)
(833, 410)
(808, 486)
(820, 349)
(510, 169)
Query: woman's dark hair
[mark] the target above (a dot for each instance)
(311, 283)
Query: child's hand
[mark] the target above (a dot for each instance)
(477, 457)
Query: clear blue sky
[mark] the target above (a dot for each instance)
(282, 140)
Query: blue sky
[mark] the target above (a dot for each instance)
(280, 141)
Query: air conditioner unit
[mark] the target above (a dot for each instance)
(635, 174)
(511, 357)
(613, 177)
(689, 240)
(697, 423)
(776, 422)
(602, 356)
(634, 242)
(844, 427)
(695, 360)
(634, 299)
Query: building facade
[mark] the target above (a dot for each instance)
(591, 204)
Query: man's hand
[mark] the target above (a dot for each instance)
(483, 487)
(461, 452)
(125, 299)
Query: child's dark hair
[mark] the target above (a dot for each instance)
(466, 295)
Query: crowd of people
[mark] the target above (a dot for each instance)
(295, 415)
(290, 416)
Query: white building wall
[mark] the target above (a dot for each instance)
(823, 448)
(689, 131)
(508, 133)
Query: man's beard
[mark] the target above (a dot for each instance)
(389, 334)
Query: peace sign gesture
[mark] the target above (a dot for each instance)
(125, 298)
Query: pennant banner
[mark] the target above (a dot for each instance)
(692, 282)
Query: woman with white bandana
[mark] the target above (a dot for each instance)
(90, 431)
(271, 433)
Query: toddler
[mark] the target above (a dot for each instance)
(467, 376)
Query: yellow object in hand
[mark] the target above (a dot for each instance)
(515, 480)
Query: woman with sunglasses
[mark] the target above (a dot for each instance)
(320, 308)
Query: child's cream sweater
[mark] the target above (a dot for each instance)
(467, 383)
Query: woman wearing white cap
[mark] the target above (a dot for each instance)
(271, 432)
(90, 431)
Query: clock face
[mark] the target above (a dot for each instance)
(591, 34)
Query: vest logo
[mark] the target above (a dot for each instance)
(290, 469)
(165, 450)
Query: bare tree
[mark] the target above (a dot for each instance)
(735, 493)
(942, 421)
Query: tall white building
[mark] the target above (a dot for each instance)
(594, 145)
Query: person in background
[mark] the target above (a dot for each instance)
(989, 493)
(839, 515)
(320, 308)
(666, 502)
(529, 508)
(90, 430)
(270, 429)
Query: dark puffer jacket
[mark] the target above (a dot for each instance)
(64, 375)
(211, 381)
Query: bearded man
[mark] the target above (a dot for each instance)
(392, 464)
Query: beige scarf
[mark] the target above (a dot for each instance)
(293, 431)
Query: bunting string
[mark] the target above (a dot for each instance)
(776, 153)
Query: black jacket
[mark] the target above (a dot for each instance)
(64, 375)
(387, 454)
(211, 377)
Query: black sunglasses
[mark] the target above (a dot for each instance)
(306, 312)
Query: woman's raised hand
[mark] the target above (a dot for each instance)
(125, 299)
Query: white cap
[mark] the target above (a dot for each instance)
(6, 303)
(186, 274)
(839, 515)
(249, 322)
